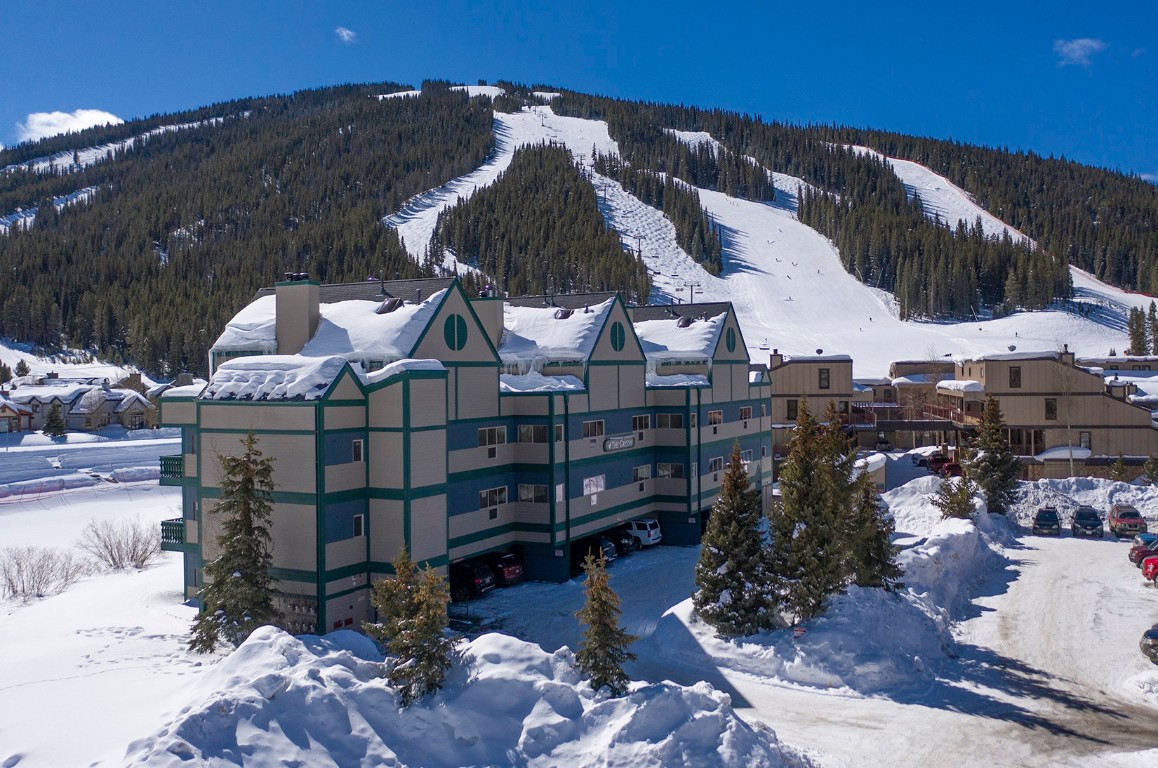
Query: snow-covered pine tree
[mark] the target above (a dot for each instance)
(808, 552)
(5, 373)
(239, 595)
(603, 650)
(955, 498)
(21, 368)
(994, 467)
(53, 423)
(412, 624)
(733, 592)
(873, 560)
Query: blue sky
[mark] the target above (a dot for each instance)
(1062, 78)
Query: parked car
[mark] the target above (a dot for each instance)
(646, 529)
(1143, 538)
(1087, 522)
(470, 578)
(506, 566)
(1140, 552)
(923, 459)
(625, 541)
(1046, 522)
(1149, 643)
(952, 469)
(592, 545)
(1124, 520)
(1150, 569)
(937, 462)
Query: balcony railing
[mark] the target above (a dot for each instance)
(173, 535)
(952, 413)
(172, 468)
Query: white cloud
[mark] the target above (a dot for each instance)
(347, 36)
(1077, 51)
(41, 124)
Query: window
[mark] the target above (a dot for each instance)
(640, 423)
(716, 464)
(1015, 377)
(793, 409)
(641, 473)
(593, 485)
(745, 412)
(535, 494)
(693, 420)
(825, 378)
(561, 492)
(356, 454)
(359, 525)
(593, 428)
(532, 433)
(492, 497)
(763, 409)
(492, 436)
(746, 456)
(558, 433)
(669, 420)
(715, 417)
(1084, 439)
(1051, 409)
(669, 471)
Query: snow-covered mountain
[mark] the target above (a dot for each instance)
(785, 279)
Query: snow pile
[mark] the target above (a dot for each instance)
(323, 701)
(677, 380)
(274, 377)
(401, 366)
(1069, 493)
(664, 340)
(537, 382)
(537, 334)
(960, 385)
(22, 489)
(135, 474)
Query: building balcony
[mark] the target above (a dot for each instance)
(949, 413)
(173, 534)
(172, 469)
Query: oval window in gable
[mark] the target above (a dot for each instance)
(618, 336)
(454, 331)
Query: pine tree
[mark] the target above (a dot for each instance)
(808, 553)
(733, 593)
(994, 468)
(1150, 469)
(239, 596)
(53, 423)
(21, 368)
(412, 622)
(1136, 329)
(873, 560)
(5, 373)
(1152, 327)
(1118, 471)
(603, 650)
(955, 498)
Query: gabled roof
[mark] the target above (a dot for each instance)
(670, 311)
(561, 300)
(687, 338)
(537, 332)
(274, 377)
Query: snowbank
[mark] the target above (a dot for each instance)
(323, 701)
(1067, 494)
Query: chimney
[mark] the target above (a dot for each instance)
(775, 360)
(297, 312)
(1067, 357)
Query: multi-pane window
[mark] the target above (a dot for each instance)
(825, 378)
(1014, 376)
(673, 471)
(592, 485)
(533, 493)
(641, 473)
(532, 433)
(745, 412)
(593, 428)
(492, 436)
(640, 423)
(716, 464)
(492, 497)
(746, 456)
(715, 417)
(1051, 409)
(1084, 439)
(356, 453)
(669, 420)
(793, 409)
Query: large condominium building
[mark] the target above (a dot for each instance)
(408, 414)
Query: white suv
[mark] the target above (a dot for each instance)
(646, 530)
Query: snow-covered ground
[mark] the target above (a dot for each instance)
(786, 280)
(69, 365)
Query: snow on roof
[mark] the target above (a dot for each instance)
(677, 380)
(870, 463)
(960, 385)
(872, 381)
(537, 382)
(666, 340)
(534, 333)
(189, 390)
(1046, 355)
(817, 358)
(918, 379)
(274, 377)
(6, 402)
(401, 366)
(65, 391)
(757, 377)
(348, 328)
(130, 399)
(1063, 452)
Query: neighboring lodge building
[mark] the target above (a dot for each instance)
(407, 414)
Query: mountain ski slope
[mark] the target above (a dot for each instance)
(785, 280)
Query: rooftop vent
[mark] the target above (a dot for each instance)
(296, 277)
(563, 314)
(388, 306)
(683, 322)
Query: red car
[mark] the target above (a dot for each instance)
(952, 469)
(937, 462)
(1150, 569)
(1140, 552)
(1124, 520)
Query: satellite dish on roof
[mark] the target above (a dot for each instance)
(1012, 347)
(820, 351)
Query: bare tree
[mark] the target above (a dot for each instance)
(121, 543)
